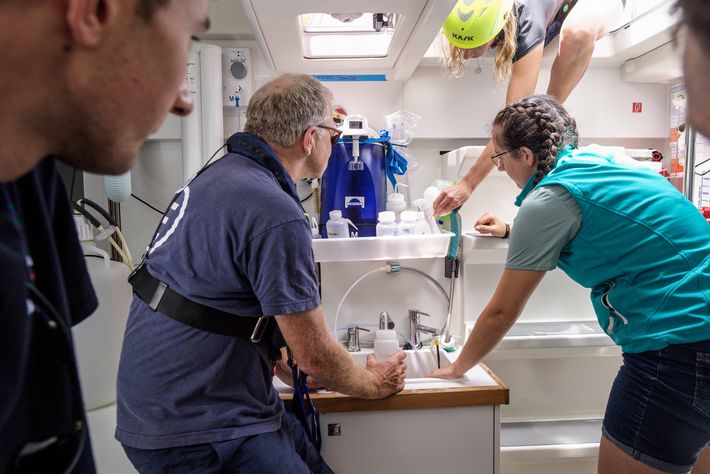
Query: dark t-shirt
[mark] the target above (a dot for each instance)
(536, 24)
(39, 392)
(236, 241)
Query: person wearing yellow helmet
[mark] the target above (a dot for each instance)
(519, 30)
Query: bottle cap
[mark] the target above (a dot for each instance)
(386, 216)
(408, 216)
(336, 214)
(382, 334)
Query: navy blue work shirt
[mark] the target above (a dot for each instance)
(237, 241)
(39, 385)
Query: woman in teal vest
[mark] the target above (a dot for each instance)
(643, 250)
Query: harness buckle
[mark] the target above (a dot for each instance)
(157, 296)
(259, 329)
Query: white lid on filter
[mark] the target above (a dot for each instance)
(395, 198)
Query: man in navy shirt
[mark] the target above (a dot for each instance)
(236, 240)
(84, 82)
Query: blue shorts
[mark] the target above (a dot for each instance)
(285, 450)
(659, 406)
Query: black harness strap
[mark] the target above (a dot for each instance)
(162, 298)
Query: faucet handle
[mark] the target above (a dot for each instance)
(415, 313)
(354, 329)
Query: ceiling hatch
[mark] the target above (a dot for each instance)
(319, 36)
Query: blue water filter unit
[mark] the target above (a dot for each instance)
(359, 191)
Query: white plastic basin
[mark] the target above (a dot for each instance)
(419, 364)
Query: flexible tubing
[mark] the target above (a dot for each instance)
(385, 269)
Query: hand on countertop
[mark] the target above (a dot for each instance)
(490, 224)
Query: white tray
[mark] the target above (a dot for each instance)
(381, 248)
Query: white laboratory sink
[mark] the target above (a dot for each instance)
(419, 364)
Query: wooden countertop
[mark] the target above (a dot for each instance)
(408, 399)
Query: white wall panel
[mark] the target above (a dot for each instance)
(601, 103)
(452, 108)
(613, 100)
(374, 100)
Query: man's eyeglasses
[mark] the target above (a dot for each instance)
(497, 157)
(333, 137)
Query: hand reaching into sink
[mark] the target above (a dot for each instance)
(448, 372)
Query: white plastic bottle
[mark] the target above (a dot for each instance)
(386, 224)
(386, 344)
(421, 227)
(408, 223)
(338, 227)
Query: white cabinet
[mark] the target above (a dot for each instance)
(461, 439)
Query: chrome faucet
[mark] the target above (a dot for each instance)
(415, 328)
(385, 321)
(354, 338)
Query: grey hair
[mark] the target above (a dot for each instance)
(283, 109)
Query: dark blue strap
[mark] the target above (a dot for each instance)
(309, 417)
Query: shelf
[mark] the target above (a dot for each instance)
(546, 440)
(479, 249)
(381, 248)
(553, 339)
(528, 335)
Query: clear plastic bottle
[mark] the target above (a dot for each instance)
(338, 227)
(408, 223)
(386, 344)
(422, 227)
(386, 224)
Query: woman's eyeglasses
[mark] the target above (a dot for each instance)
(334, 136)
(498, 156)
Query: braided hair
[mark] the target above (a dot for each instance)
(540, 123)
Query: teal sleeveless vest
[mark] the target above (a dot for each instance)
(642, 248)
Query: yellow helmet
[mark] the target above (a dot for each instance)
(473, 23)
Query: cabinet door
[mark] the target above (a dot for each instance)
(462, 439)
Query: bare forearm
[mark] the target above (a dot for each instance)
(490, 328)
(333, 367)
(496, 319)
(321, 357)
(480, 169)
